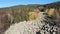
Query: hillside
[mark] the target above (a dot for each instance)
(22, 10)
(53, 5)
(15, 14)
(55, 8)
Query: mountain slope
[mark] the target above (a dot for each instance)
(53, 5)
(20, 13)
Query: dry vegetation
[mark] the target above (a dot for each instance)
(20, 13)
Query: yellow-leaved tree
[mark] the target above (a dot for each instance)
(50, 11)
(32, 15)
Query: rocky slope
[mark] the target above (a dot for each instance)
(42, 25)
(15, 12)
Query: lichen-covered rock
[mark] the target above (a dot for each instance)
(41, 25)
